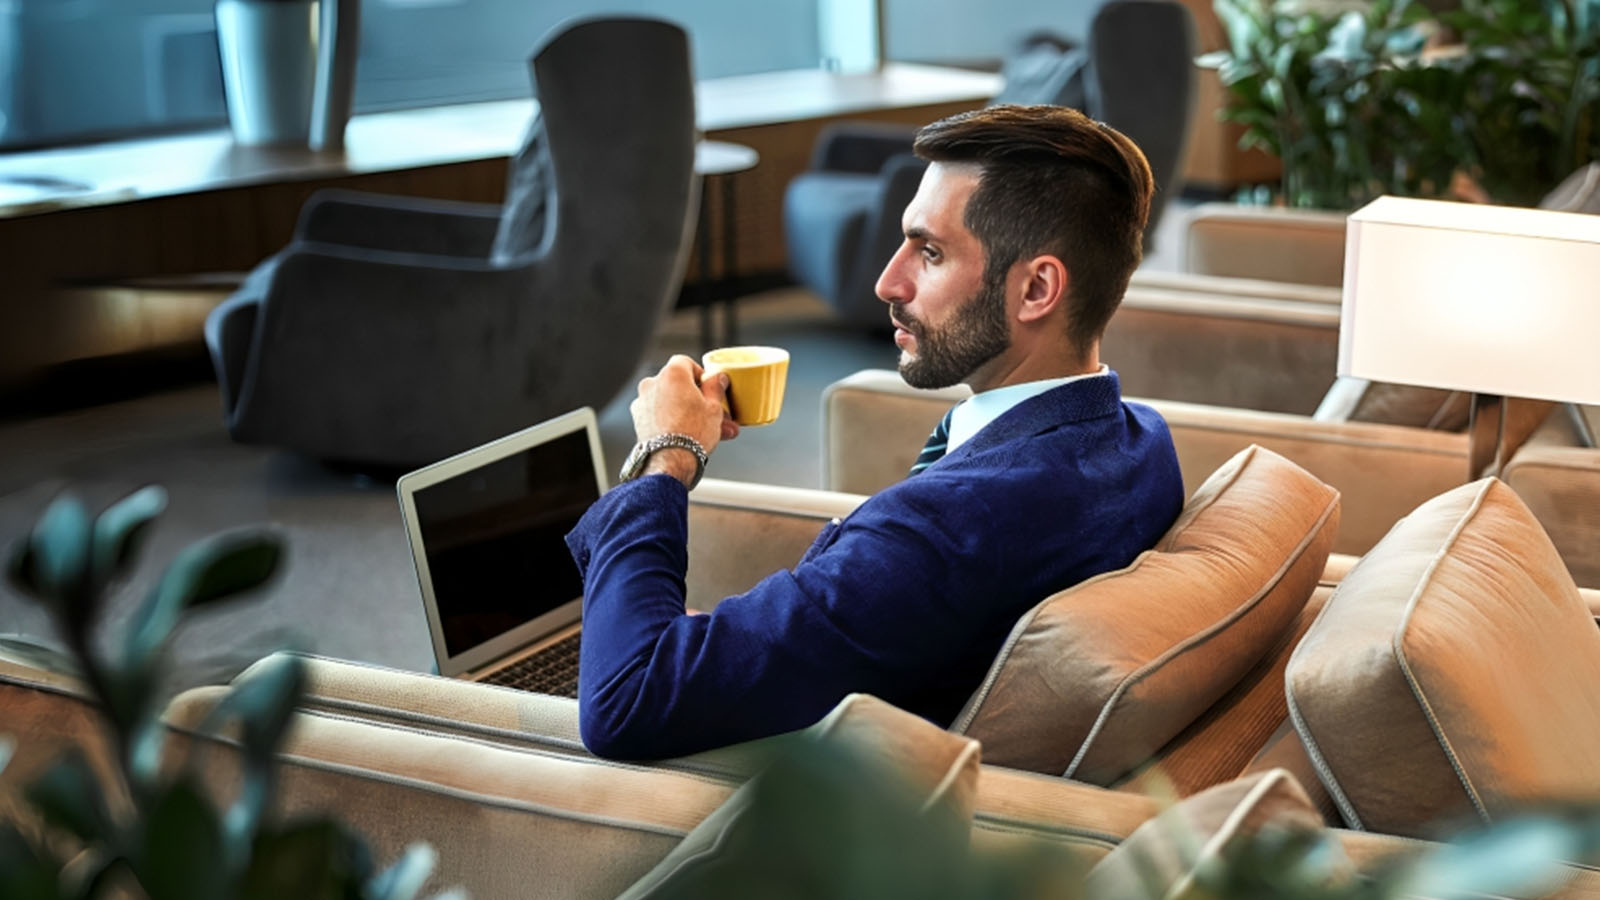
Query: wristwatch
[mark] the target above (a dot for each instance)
(639, 457)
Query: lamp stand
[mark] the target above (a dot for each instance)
(1580, 425)
(1486, 436)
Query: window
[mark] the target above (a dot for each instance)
(81, 70)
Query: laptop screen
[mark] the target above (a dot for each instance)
(494, 538)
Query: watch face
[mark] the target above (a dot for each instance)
(634, 464)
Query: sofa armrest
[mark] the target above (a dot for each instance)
(502, 817)
(873, 427)
(739, 533)
(1382, 472)
(1561, 485)
(1292, 245)
(1239, 287)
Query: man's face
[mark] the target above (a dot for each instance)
(948, 322)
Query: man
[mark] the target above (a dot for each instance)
(1018, 248)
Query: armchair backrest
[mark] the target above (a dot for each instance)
(1142, 83)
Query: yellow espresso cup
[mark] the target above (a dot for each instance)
(756, 376)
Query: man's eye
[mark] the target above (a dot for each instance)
(930, 254)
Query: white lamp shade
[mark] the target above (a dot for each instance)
(1468, 297)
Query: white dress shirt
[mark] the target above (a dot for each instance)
(971, 414)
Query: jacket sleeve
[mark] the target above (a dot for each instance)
(868, 609)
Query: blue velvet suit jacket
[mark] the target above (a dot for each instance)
(909, 598)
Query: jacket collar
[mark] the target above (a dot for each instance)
(1075, 401)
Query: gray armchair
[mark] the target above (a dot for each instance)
(1135, 73)
(396, 331)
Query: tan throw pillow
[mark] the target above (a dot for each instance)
(1160, 860)
(1097, 678)
(1454, 673)
(766, 832)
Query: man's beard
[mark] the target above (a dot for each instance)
(945, 356)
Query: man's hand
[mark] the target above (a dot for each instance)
(676, 401)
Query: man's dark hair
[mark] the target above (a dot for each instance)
(1053, 181)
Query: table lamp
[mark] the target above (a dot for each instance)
(1493, 300)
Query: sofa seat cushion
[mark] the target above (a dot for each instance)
(1452, 674)
(1095, 679)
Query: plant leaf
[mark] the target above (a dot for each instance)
(181, 858)
(205, 572)
(68, 796)
(55, 566)
(23, 874)
(8, 748)
(22, 568)
(404, 879)
(318, 858)
(1520, 857)
(119, 531)
(262, 700)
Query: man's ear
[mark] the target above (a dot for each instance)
(1045, 288)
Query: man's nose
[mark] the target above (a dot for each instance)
(892, 286)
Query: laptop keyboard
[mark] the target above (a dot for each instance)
(553, 670)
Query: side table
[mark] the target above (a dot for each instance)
(714, 162)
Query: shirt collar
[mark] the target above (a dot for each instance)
(972, 414)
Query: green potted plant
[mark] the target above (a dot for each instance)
(1365, 99)
(148, 830)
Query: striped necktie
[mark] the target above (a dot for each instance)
(934, 449)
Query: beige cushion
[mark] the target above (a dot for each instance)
(1453, 673)
(1096, 678)
(891, 748)
(1162, 858)
(1246, 731)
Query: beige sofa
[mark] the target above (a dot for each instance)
(498, 781)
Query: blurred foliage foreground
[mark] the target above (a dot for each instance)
(140, 830)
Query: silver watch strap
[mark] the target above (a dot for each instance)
(649, 448)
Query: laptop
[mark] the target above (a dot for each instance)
(487, 529)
